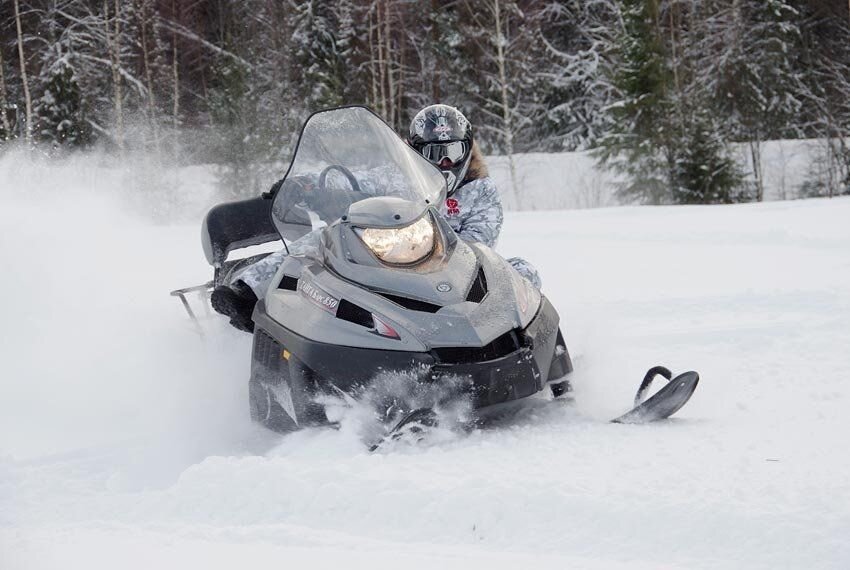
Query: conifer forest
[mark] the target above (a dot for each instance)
(659, 91)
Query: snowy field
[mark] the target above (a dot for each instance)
(125, 440)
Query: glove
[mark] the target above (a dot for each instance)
(236, 302)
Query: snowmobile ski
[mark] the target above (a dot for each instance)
(414, 425)
(665, 402)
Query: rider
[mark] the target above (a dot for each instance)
(443, 135)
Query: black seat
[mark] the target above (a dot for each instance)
(234, 225)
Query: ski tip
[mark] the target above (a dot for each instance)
(690, 376)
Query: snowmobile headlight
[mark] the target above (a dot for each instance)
(400, 246)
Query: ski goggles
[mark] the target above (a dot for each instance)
(455, 151)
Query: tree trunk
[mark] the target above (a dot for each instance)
(675, 67)
(152, 114)
(112, 42)
(400, 82)
(755, 154)
(437, 71)
(27, 98)
(175, 73)
(4, 103)
(507, 119)
(382, 66)
(372, 60)
(391, 85)
(119, 90)
(830, 167)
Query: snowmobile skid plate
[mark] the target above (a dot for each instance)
(665, 402)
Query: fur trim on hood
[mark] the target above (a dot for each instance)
(477, 167)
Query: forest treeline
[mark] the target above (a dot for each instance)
(667, 92)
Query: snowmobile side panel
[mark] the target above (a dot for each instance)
(281, 388)
(269, 394)
(543, 334)
(561, 364)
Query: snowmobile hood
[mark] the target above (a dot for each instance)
(319, 304)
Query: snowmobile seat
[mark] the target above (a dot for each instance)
(234, 225)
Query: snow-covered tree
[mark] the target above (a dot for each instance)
(501, 35)
(316, 52)
(60, 115)
(576, 38)
(826, 94)
(744, 54)
(387, 30)
(637, 144)
(702, 171)
(661, 87)
(663, 136)
(154, 73)
(445, 71)
(352, 51)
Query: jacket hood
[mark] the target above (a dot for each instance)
(477, 166)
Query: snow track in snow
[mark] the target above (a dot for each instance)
(125, 439)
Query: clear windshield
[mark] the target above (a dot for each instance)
(343, 156)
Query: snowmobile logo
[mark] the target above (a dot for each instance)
(319, 297)
(452, 207)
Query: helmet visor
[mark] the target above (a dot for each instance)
(455, 151)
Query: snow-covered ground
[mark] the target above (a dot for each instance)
(125, 440)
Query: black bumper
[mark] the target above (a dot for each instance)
(515, 365)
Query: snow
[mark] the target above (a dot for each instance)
(125, 439)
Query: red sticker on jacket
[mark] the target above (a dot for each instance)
(452, 207)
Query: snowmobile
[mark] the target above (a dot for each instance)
(377, 282)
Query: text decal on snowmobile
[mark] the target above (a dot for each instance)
(319, 297)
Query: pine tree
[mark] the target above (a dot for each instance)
(232, 111)
(352, 51)
(317, 54)
(60, 117)
(663, 137)
(637, 144)
(703, 172)
(825, 70)
(745, 57)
